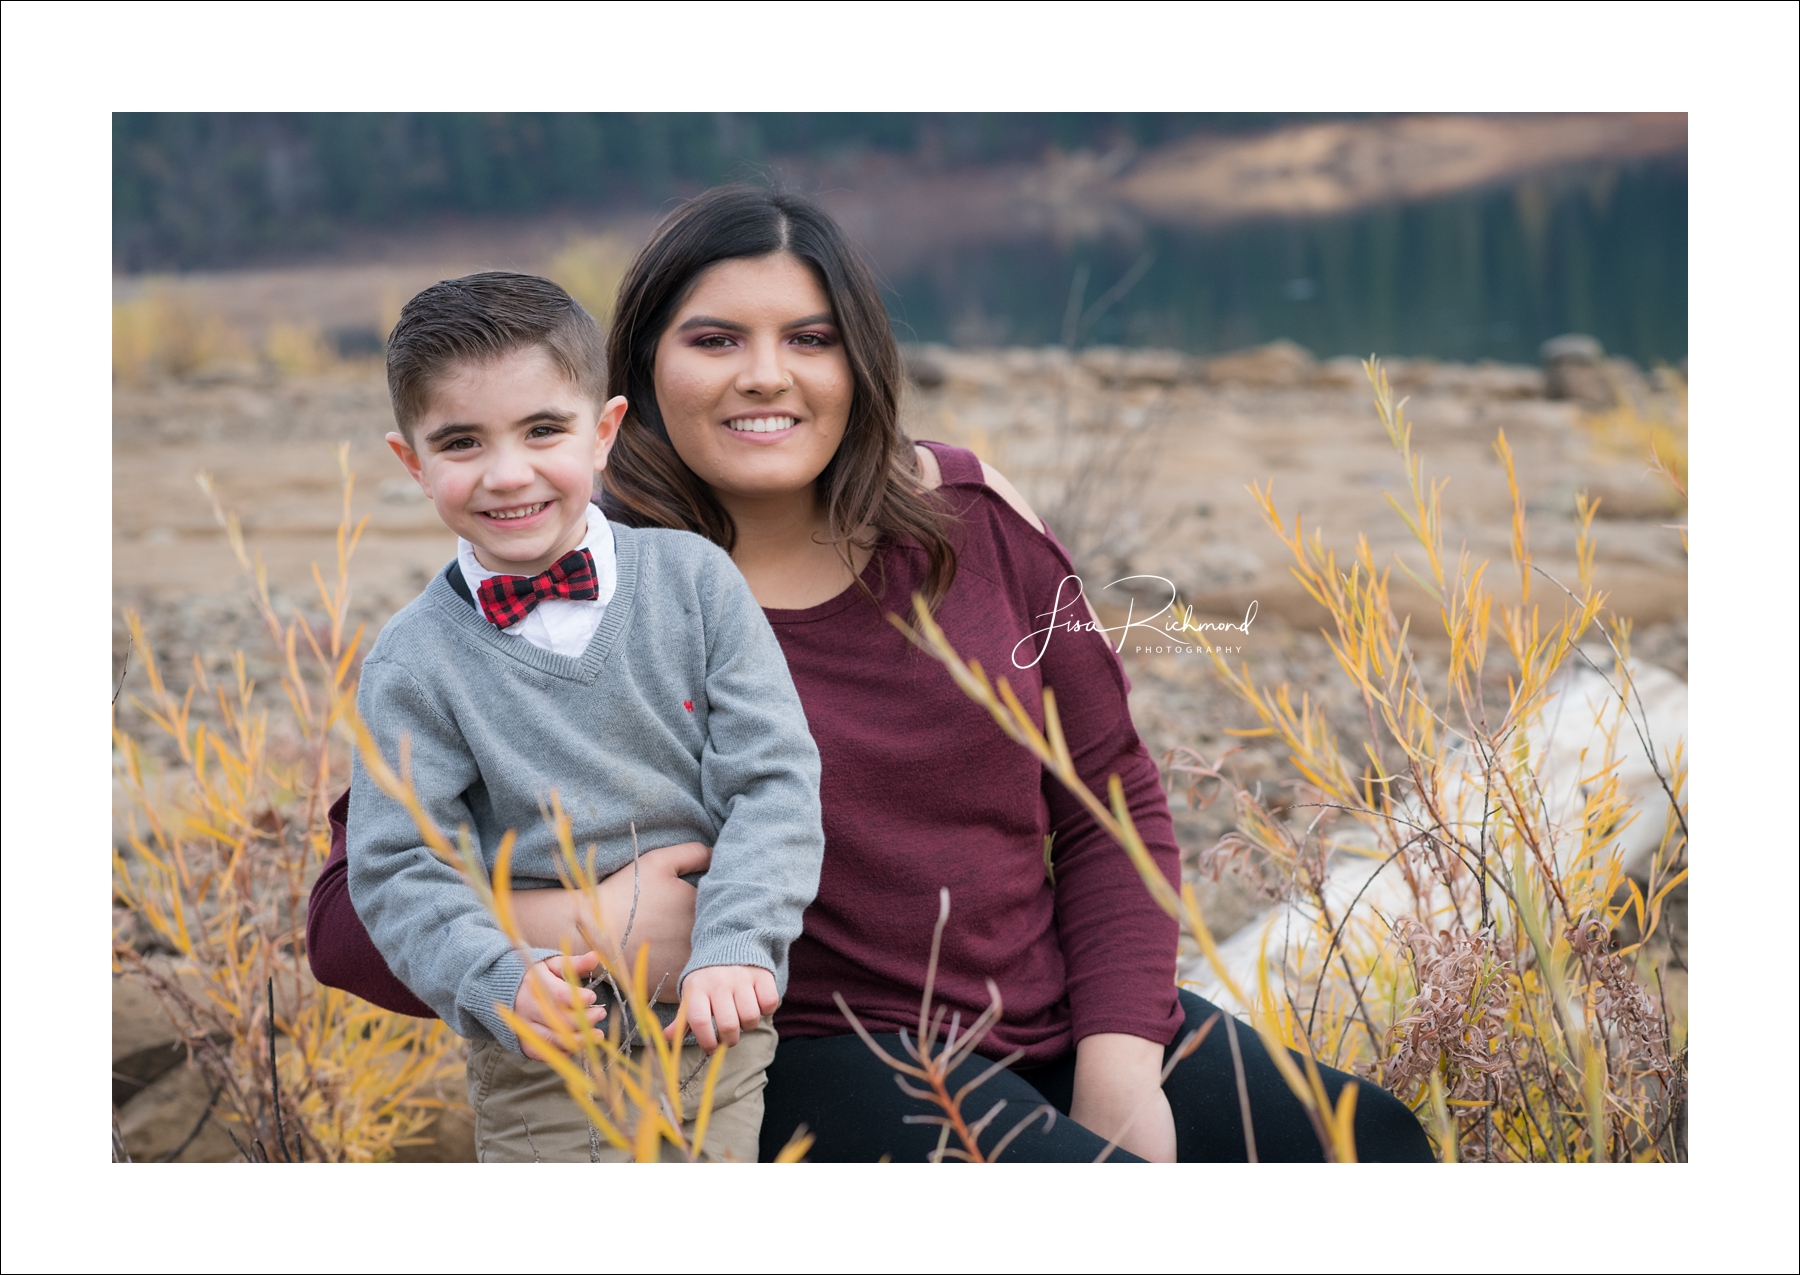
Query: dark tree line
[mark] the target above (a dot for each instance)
(192, 190)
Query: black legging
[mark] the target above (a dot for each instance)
(847, 1099)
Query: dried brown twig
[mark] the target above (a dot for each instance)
(932, 1065)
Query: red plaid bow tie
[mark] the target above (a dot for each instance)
(505, 600)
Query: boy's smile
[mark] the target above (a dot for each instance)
(507, 451)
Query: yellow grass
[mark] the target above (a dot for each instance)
(222, 848)
(1493, 997)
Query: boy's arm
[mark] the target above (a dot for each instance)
(759, 777)
(421, 914)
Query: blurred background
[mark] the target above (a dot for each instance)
(1452, 237)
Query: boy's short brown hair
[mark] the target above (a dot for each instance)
(480, 317)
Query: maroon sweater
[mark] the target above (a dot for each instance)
(921, 790)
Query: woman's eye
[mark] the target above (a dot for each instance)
(714, 342)
(817, 340)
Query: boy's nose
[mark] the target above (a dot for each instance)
(507, 469)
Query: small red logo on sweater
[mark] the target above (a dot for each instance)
(688, 704)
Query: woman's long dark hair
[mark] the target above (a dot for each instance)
(871, 484)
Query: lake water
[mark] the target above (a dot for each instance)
(1481, 274)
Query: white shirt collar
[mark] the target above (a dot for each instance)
(598, 542)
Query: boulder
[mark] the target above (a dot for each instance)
(1575, 369)
(158, 1121)
(1277, 363)
(923, 367)
(1118, 366)
(145, 1044)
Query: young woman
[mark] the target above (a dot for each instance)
(764, 384)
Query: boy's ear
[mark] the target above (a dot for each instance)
(606, 429)
(410, 459)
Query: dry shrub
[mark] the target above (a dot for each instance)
(1454, 936)
(161, 334)
(224, 841)
(1653, 424)
(297, 349)
(1454, 891)
(589, 268)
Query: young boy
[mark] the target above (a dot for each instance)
(628, 670)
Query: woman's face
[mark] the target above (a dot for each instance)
(752, 378)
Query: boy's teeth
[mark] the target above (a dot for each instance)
(761, 424)
(517, 513)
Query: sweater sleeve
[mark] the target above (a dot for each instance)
(759, 778)
(1119, 947)
(338, 948)
(422, 916)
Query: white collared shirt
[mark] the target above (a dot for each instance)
(561, 626)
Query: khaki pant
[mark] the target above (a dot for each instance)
(523, 1112)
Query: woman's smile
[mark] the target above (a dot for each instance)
(762, 424)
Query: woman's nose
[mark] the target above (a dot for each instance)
(762, 376)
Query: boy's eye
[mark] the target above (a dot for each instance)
(543, 431)
(462, 444)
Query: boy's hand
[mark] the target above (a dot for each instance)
(735, 997)
(545, 1000)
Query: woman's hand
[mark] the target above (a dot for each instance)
(664, 920)
(1118, 1094)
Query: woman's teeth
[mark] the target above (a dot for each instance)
(762, 424)
(526, 511)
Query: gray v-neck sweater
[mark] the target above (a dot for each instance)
(680, 718)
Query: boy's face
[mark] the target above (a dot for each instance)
(507, 451)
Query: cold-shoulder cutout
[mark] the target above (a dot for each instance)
(1010, 494)
(931, 473)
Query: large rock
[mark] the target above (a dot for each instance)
(1277, 363)
(1575, 369)
(145, 1044)
(1486, 380)
(159, 1121)
(1115, 365)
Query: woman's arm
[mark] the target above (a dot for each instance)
(663, 917)
(343, 956)
(338, 947)
(1119, 946)
(1118, 1094)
